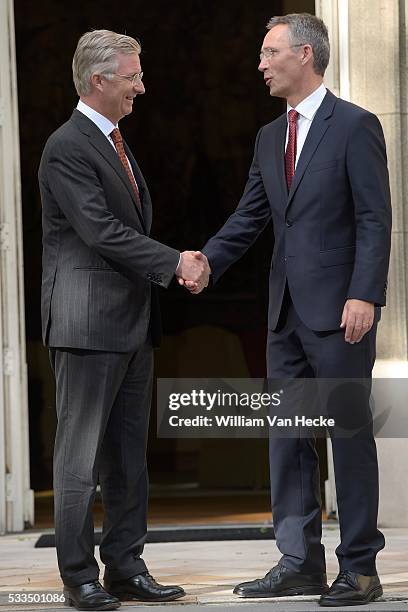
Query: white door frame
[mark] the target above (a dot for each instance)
(337, 78)
(16, 497)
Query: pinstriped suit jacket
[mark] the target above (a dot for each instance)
(100, 266)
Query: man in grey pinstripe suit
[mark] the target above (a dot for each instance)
(100, 320)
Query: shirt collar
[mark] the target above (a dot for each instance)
(308, 107)
(105, 125)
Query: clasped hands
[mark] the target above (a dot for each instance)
(193, 271)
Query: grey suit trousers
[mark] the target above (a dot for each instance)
(103, 406)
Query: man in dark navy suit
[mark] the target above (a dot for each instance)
(320, 173)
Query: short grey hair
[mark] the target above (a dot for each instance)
(96, 53)
(307, 29)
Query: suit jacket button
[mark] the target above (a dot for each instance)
(289, 223)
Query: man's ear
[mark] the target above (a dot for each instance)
(307, 54)
(97, 81)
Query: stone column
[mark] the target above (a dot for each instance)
(16, 498)
(369, 49)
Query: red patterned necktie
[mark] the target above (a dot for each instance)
(118, 142)
(290, 154)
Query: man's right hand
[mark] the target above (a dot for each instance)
(193, 271)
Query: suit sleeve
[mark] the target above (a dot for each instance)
(369, 181)
(75, 185)
(244, 226)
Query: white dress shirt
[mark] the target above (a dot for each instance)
(103, 123)
(307, 109)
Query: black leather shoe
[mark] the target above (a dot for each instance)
(351, 589)
(281, 581)
(142, 587)
(90, 596)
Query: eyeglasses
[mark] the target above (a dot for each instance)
(133, 78)
(270, 52)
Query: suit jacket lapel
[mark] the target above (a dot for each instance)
(143, 190)
(279, 141)
(103, 146)
(316, 132)
(100, 142)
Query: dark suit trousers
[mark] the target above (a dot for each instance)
(294, 351)
(103, 404)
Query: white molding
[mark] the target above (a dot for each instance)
(328, 11)
(16, 499)
(344, 59)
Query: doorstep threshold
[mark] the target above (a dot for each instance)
(188, 533)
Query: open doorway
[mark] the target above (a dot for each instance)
(193, 133)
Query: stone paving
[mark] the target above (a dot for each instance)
(208, 572)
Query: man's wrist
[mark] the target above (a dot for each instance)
(178, 265)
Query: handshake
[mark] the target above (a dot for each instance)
(193, 271)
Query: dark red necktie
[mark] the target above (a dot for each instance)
(290, 154)
(118, 142)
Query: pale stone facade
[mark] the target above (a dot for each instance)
(369, 67)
